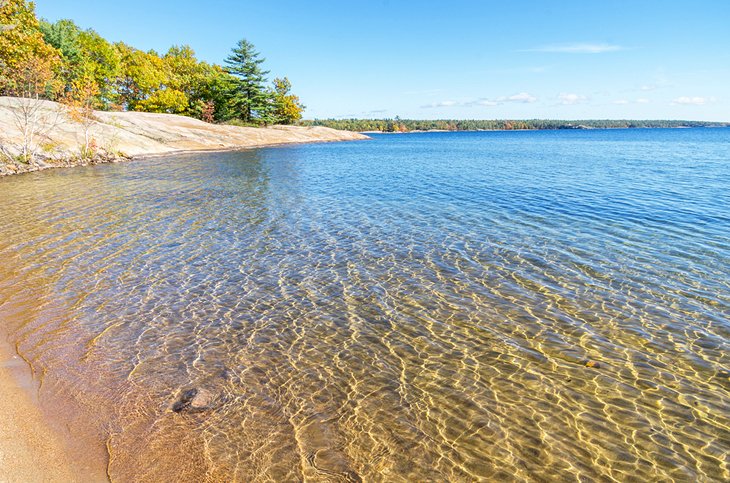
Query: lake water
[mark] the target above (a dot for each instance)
(504, 306)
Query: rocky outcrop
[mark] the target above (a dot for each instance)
(125, 135)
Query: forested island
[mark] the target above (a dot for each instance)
(408, 125)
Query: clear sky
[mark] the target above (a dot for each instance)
(425, 59)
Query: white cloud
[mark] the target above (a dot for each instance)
(571, 99)
(440, 104)
(521, 97)
(649, 87)
(578, 48)
(620, 102)
(693, 101)
(643, 100)
(361, 114)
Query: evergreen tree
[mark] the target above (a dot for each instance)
(249, 96)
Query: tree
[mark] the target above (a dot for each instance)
(28, 72)
(80, 102)
(207, 111)
(84, 52)
(142, 73)
(21, 40)
(170, 101)
(217, 86)
(189, 76)
(248, 97)
(31, 81)
(105, 64)
(64, 36)
(3, 26)
(287, 108)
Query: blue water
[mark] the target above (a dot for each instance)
(549, 305)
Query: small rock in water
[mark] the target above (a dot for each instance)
(202, 400)
(593, 364)
(193, 400)
(184, 401)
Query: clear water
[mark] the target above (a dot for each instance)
(417, 307)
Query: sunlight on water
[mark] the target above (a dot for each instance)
(426, 307)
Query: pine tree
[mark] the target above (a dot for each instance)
(249, 96)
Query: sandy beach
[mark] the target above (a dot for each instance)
(30, 449)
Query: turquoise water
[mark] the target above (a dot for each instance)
(522, 306)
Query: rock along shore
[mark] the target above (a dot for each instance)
(118, 136)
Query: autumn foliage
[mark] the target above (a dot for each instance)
(60, 61)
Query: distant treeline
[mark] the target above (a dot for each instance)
(406, 125)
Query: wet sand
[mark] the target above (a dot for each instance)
(30, 450)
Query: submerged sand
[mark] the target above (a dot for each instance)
(31, 448)
(124, 135)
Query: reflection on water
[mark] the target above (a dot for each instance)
(412, 308)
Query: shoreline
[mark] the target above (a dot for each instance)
(142, 157)
(417, 131)
(31, 449)
(128, 135)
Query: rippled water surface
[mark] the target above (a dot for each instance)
(428, 307)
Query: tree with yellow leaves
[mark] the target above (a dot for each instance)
(80, 103)
(21, 42)
(28, 72)
(287, 108)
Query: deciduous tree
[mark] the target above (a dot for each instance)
(141, 74)
(21, 42)
(28, 71)
(31, 81)
(64, 36)
(166, 100)
(287, 108)
(80, 101)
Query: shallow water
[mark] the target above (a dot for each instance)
(413, 308)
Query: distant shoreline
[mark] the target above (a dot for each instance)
(547, 129)
(398, 125)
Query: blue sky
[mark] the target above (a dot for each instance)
(459, 59)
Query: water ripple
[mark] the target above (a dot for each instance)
(448, 306)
